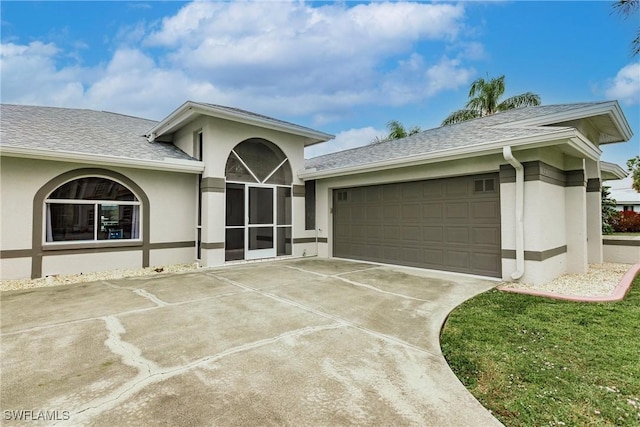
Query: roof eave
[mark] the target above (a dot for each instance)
(168, 164)
(610, 108)
(189, 110)
(612, 171)
(571, 137)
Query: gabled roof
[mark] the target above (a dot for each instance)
(190, 110)
(529, 126)
(85, 135)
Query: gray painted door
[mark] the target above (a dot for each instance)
(448, 224)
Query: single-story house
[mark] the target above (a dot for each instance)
(627, 198)
(515, 195)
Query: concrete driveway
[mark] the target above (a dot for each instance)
(295, 342)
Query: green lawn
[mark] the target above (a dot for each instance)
(537, 361)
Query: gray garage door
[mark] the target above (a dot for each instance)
(448, 224)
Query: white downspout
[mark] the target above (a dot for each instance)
(508, 156)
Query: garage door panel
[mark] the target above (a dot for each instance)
(410, 234)
(373, 194)
(391, 193)
(392, 232)
(459, 259)
(411, 191)
(485, 210)
(489, 236)
(359, 232)
(485, 261)
(456, 187)
(433, 257)
(449, 224)
(374, 213)
(457, 235)
(433, 234)
(412, 255)
(432, 190)
(391, 213)
(457, 210)
(432, 211)
(358, 214)
(411, 213)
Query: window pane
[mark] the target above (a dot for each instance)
(260, 238)
(234, 244)
(235, 170)
(284, 241)
(260, 205)
(261, 156)
(310, 205)
(282, 176)
(93, 188)
(235, 204)
(284, 206)
(67, 222)
(118, 222)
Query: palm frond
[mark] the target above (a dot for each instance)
(527, 99)
(460, 116)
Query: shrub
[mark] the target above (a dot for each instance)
(626, 222)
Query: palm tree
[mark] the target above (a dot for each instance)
(628, 8)
(484, 100)
(396, 131)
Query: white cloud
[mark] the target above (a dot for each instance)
(278, 58)
(625, 86)
(30, 75)
(345, 140)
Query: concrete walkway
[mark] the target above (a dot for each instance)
(296, 342)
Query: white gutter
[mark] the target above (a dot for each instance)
(174, 165)
(508, 156)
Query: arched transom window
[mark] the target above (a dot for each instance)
(258, 161)
(92, 209)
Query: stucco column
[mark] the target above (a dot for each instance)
(213, 221)
(593, 206)
(576, 229)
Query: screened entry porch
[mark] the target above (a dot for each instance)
(258, 202)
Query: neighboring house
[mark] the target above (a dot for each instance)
(627, 199)
(515, 195)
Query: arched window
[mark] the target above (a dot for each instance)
(92, 209)
(258, 161)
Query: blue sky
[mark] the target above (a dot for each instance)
(346, 68)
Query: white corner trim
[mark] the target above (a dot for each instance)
(173, 165)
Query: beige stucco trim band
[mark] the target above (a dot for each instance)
(628, 242)
(213, 185)
(535, 255)
(79, 249)
(593, 185)
(16, 253)
(298, 190)
(540, 171)
(214, 245)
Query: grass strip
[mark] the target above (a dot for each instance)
(536, 361)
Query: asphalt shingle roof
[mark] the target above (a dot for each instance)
(466, 134)
(82, 131)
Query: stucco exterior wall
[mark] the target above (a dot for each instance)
(171, 195)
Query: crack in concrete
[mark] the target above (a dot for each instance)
(150, 373)
(151, 297)
(362, 285)
(379, 335)
(121, 313)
